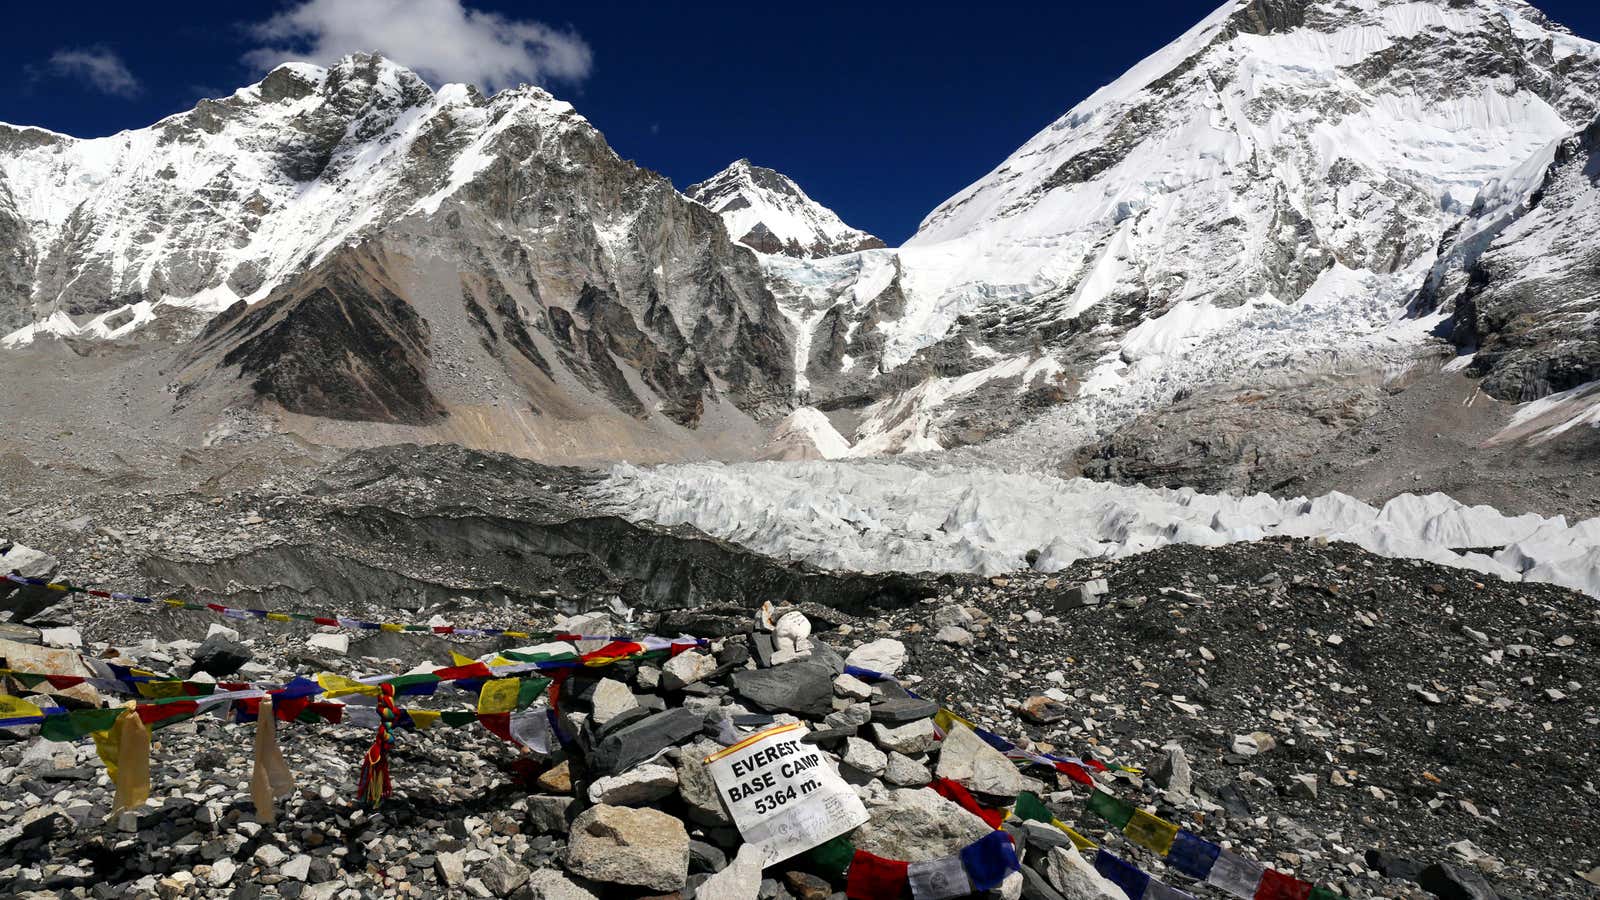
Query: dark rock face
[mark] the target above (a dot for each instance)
(1238, 442)
(1531, 309)
(341, 345)
(219, 656)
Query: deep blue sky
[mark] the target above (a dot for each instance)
(881, 110)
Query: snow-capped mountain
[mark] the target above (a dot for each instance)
(1291, 189)
(766, 210)
(1268, 191)
(485, 267)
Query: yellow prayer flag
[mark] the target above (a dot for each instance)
(945, 720)
(339, 686)
(278, 617)
(125, 749)
(459, 660)
(1151, 832)
(160, 690)
(423, 718)
(499, 696)
(390, 626)
(516, 634)
(1079, 842)
(17, 708)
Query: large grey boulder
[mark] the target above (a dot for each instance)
(917, 825)
(966, 759)
(1076, 879)
(633, 744)
(635, 787)
(636, 847)
(804, 687)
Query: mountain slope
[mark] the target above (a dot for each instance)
(485, 268)
(1263, 195)
(766, 210)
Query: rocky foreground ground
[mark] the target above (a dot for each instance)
(1349, 719)
(1357, 721)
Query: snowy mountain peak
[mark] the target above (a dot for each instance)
(767, 211)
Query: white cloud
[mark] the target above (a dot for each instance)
(439, 39)
(100, 67)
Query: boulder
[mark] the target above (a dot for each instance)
(48, 661)
(502, 874)
(976, 766)
(741, 880)
(696, 786)
(219, 656)
(1452, 882)
(330, 643)
(549, 884)
(917, 825)
(1076, 879)
(635, 787)
(626, 846)
(863, 757)
(633, 744)
(1171, 771)
(547, 814)
(885, 655)
(903, 771)
(610, 699)
(686, 668)
(1042, 710)
(802, 687)
(911, 738)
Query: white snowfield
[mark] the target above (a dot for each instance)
(886, 516)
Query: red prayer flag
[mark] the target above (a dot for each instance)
(458, 673)
(963, 798)
(151, 713)
(325, 621)
(1277, 886)
(875, 878)
(1075, 772)
(498, 724)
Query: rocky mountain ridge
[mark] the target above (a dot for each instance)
(770, 213)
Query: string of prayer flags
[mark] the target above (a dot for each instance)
(1191, 855)
(17, 711)
(270, 779)
(980, 866)
(1135, 882)
(1030, 807)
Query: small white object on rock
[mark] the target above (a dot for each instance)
(65, 636)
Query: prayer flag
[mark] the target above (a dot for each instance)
(875, 878)
(499, 696)
(940, 879)
(1150, 832)
(1191, 855)
(1236, 875)
(1110, 808)
(1277, 886)
(989, 860)
(1030, 807)
(269, 778)
(1123, 874)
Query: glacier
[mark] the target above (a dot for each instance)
(877, 516)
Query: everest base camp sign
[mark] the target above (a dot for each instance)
(782, 794)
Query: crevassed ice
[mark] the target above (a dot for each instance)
(890, 516)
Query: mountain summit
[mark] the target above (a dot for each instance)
(766, 210)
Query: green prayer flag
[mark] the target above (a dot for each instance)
(833, 857)
(530, 692)
(1110, 808)
(1030, 807)
(1323, 893)
(455, 718)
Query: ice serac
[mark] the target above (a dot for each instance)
(1268, 191)
(767, 211)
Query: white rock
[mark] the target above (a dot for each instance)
(741, 880)
(225, 631)
(954, 634)
(1072, 875)
(686, 668)
(611, 699)
(863, 757)
(332, 643)
(885, 656)
(635, 787)
(851, 688)
(911, 738)
(65, 636)
(965, 758)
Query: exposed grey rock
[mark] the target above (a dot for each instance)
(885, 656)
(916, 824)
(633, 744)
(622, 845)
(550, 884)
(912, 738)
(863, 757)
(741, 880)
(1451, 882)
(685, 669)
(1076, 878)
(1171, 770)
(611, 698)
(636, 786)
(547, 814)
(501, 874)
(965, 758)
(802, 687)
(903, 771)
(219, 656)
